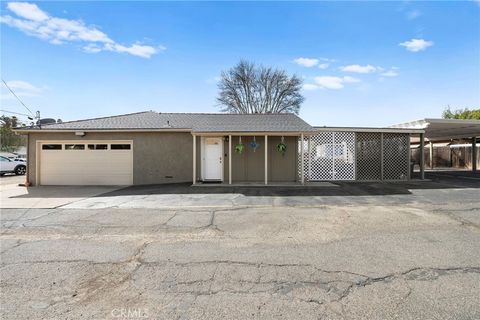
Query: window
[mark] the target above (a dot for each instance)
(120, 147)
(3, 159)
(74, 147)
(51, 147)
(97, 146)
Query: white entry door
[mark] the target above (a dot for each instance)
(213, 159)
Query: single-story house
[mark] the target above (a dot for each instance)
(153, 148)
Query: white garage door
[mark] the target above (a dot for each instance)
(86, 163)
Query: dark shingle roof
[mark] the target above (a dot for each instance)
(197, 122)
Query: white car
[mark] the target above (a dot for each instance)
(10, 166)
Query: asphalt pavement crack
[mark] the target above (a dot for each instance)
(462, 221)
(414, 274)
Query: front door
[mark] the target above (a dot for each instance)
(213, 159)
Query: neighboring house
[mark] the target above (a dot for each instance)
(153, 148)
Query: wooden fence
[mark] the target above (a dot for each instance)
(447, 157)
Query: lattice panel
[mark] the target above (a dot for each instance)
(369, 153)
(331, 156)
(321, 161)
(396, 149)
(305, 158)
(344, 156)
(350, 156)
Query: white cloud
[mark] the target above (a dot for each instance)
(28, 11)
(323, 66)
(358, 68)
(390, 73)
(135, 49)
(37, 23)
(310, 86)
(306, 62)
(415, 45)
(350, 79)
(21, 89)
(329, 82)
(92, 48)
(413, 14)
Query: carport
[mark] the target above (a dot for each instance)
(443, 131)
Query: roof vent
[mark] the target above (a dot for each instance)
(46, 121)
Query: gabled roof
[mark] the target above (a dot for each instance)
(444, 129)
(195, 122)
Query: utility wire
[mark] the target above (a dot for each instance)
(23, 104)
(12, 112)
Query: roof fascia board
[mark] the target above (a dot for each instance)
(256, 133)
(447, 121)
(377, 130)
(97, 130)
(448, 137)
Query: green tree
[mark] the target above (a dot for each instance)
(461, 114)
(9, 141)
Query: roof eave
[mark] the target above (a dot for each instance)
(253, 133)
(366, 129)
(24, 131)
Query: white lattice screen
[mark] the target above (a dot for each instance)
(367, 156)
(396, 150)
(330, 156)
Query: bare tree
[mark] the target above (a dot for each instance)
(247, 88)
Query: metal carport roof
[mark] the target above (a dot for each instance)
(444, 129)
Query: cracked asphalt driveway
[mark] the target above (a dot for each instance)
(415, 256)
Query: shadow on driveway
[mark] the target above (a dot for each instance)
(435, 180)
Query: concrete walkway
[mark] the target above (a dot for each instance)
(44, 197)
(436, 190)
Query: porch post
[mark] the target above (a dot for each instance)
(309, 158)
(230, 159)
(431, 154)
(266, 159)
(474, 154)
(422, 156)
(302, 164)
(194, 159)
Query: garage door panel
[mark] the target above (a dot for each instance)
(82, 180)
(86, 167)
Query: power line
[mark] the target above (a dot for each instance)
(20, 114)
(23, 104)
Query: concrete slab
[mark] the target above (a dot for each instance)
(13, 179)
(262, 184)
(14, 196)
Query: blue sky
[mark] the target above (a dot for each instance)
(363, 63)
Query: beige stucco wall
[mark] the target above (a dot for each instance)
(250, 165)
(156, 156)
(282, 167)
(160, 157)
